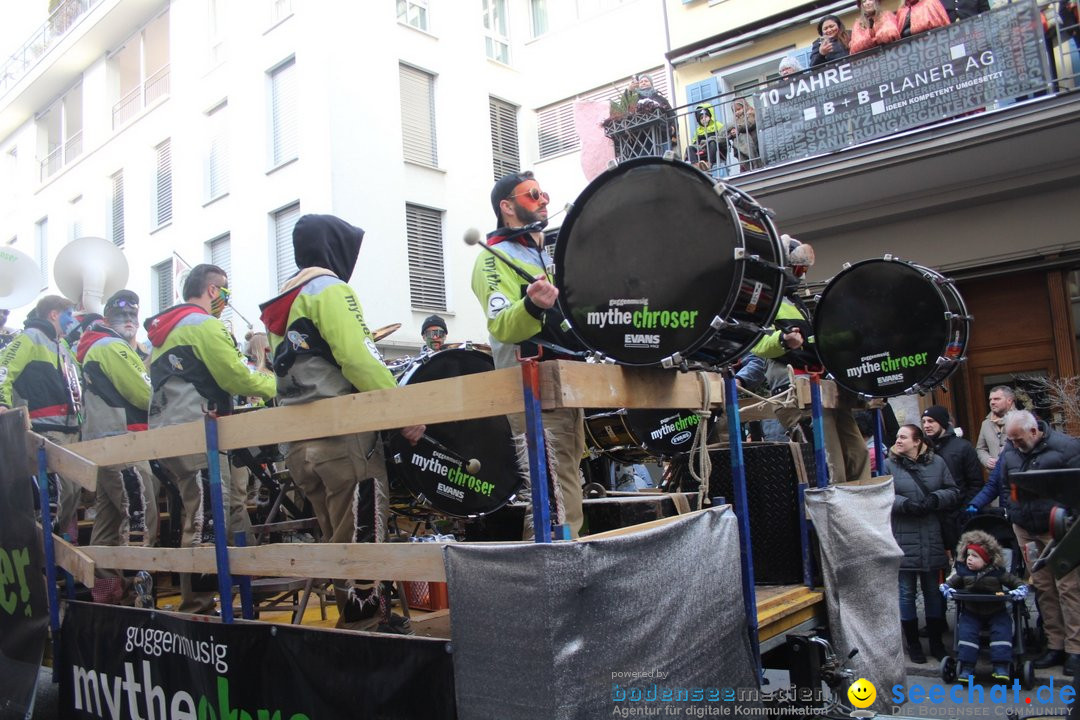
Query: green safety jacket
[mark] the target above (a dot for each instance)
(512, 318)
(195, 366)
(322, 346)
(39, 368)
(116, 382)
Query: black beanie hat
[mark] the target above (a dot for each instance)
(504, 186)
(121, 299)
(938, 414)
(433, 321)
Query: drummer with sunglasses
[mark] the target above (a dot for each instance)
(521, 317)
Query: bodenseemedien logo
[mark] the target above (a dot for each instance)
(978, 696)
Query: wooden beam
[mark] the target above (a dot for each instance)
(383, 561)
(71, 558)
(61, 460)
(566, 384)
(470, 396)
(802, 392)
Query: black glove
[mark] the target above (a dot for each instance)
(932, 502)
(913, 507)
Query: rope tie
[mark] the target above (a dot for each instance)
(699, 451)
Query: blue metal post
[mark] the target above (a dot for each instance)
(821, 467)
(221, 528)
(247, 602)
(534, 437)
(804, 540)
(50, 558)
(879, 442)
(742, 513)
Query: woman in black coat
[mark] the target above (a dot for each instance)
(832, 43)
(924, 492)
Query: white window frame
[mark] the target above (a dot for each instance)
(538, 9)
(496, 39)
(413, 13)
(41, 245)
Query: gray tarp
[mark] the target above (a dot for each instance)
(861, 564)
(552, 632)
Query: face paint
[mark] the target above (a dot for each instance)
(67, 321)
(217, 304)
(125, 325)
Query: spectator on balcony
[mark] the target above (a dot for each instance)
(1069, 14)
(710, 145)
(873, 27)
(963, 9)
(832, 43)
(649, 98)
(743, 135)
(789, 66)
(916, 16)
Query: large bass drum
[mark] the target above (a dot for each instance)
(658, 264)
(636, 436)
(886, 327)
(440, 479)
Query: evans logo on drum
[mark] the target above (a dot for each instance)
(641, 341)
(682, 437)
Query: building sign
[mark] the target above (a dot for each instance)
(24, 612)
(126, 663)
(940, 74)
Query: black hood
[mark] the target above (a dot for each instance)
(328, 242)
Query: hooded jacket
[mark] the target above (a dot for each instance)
(117, 386)
(963, 463)
(992, 579)
(919, 536)
(711, 129)
(883, 32)
(512, 318)
(1054, 451)
(321, 345)
(920, 16)
(40, 368)
(195, 365)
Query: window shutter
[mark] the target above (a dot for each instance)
(283, 109)
(221, 255)
(163, 279)
(504, 138)
(217, 159)
(42, 231)
(163, 197)
(284, 220)
(117, 218)
(427, 274)
(418, 116)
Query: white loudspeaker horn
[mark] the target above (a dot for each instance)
(89, 270)
(20, 278)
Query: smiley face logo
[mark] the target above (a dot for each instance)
(862, 693)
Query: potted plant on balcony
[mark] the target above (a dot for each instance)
(637, 123)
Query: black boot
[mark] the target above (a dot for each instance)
(911, 637)
(934, 628)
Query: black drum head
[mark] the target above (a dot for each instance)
(645, 261)
(442, 479)
(664, 433)
(880, 327)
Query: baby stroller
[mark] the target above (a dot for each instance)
(994, 523)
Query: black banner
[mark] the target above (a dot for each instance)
(943, 73)
(125, 663)
(24, 612)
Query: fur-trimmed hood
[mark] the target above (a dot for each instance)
(980, 537)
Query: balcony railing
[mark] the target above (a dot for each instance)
(61, 156)
(41, 41)
(147, 93)
(982, 64)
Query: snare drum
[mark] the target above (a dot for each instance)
(439, 478)
(886, 327)
(635, 436)
(657, 264)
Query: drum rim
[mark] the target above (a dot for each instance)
(937, 373)
(420, 360)
(725, 307)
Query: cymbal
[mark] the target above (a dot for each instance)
(385, 331)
